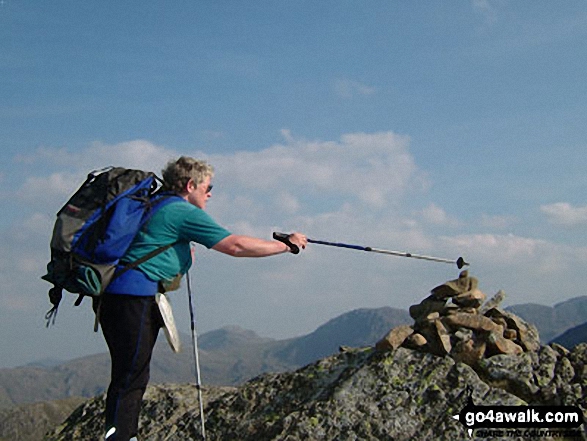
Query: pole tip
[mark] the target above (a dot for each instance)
(461, 263)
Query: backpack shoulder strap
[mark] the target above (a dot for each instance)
(160, 201)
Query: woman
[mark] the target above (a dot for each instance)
(129, 317)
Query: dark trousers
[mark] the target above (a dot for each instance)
(130, 325)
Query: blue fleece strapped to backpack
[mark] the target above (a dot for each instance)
(95, 228)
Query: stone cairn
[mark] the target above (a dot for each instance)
(454, 321)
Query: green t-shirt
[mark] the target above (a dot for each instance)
(179, 223)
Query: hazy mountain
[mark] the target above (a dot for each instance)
(552, 321)
(362, 327)
(32, 421)
(81, 377)
(46, 363)
(573, 336)
(231, 355)
(228, 356)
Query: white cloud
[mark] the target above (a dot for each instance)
(563, 213)
(138, 154)
(535, 263)
(58, 172)
(433, 214)
(38, 189)
(347, 89)
(374, 169)
(505, 248)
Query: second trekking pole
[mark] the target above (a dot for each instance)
(196, 357)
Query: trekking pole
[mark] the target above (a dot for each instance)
(196, 357)
(283, 237)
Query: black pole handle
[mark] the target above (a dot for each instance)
(284, 237)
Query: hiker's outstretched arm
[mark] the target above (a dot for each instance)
(247, 246)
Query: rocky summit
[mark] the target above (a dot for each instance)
(398, 390)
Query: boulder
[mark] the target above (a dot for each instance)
(426, 307)
(416, 341)
(470, 299)
(528, 337)
(468, 351)
(497, 344)
(493, 302)
(394, 338)
(437, 337)
(472, 321)
(455, 287)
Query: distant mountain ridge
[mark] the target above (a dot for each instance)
(573, 336)
(232, 355)
(228, 356)
(361, 327)
(553, 321)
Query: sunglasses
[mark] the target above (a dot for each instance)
(209, 189)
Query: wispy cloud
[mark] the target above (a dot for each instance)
(64, 170)
(535, 267)
(433, 214)
(346, 88)
(510, 247)
(373, 169)
(132, 154)
(565, 214)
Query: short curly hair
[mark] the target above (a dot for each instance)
(177, 173)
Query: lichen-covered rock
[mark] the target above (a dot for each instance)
(358, 394)
(368, 395)
(164, 405)
(493, 302)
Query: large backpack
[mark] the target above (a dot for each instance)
(95, 228)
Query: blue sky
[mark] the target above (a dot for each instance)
(443, 128)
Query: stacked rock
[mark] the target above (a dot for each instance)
(454, 321)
